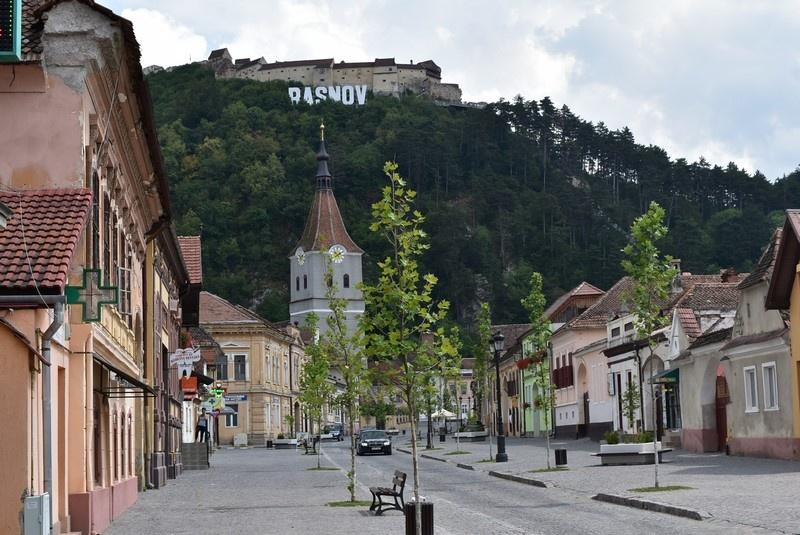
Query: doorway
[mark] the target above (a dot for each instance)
(722, 400)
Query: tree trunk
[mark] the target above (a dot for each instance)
(319, 441)
(655, 418)
(415, 466)
(351, 426)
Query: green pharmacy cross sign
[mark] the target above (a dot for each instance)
(92, 295)
(10, 30)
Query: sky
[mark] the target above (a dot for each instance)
(714, 78)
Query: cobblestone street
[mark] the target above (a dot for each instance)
(258, 491)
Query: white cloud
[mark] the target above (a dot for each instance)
(163, 40)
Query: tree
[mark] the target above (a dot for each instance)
(483, 365)
(315, 388)
(401, 312)
(343, 348)
(630, 401)
(539, 341)
(652, 275)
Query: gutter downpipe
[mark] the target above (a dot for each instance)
(47, 403)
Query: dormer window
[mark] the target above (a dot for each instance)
(614, 332)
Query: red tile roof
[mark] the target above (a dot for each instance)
(786, 259)
(688, 322)
(214, 309)
(763, 270)
(583, 289)
(191, 251)
(37, 245)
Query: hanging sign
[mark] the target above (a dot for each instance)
(346, 94)
(11, 30)
(92, 295)
(184, 359)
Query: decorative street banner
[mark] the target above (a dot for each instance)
(184, 359)
(346, 94)
(92, 295)
(11, 30)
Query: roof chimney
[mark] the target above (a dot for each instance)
(676, 263)
(728, 275)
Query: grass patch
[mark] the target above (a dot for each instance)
(486, 461)
(458, 452)
(661, 489)
(323, 468)
(556, 469)
(348, 503)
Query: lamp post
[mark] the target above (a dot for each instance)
(498, 341)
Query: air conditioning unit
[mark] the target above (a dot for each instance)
(36, 518)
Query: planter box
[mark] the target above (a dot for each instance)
(471, 436)
(625, 454)
(285, 443)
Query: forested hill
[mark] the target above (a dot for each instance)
(515, 187)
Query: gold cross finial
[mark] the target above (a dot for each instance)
(322, 131)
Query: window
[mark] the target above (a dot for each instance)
(346, 280)
(95, 220)
(297, 283)
(629, 326)
(614, 332)
(750, 389)
(222, 368)
(305, 282)
(107, 238)
(768, 371)
(240, 367)
(267, 368)
(232, 420)
(463, 389)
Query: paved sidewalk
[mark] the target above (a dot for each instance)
(252, 491)
(743, 490)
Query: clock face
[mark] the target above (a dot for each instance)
(337, 253)
(301, 256)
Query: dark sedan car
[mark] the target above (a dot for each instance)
(374, 441)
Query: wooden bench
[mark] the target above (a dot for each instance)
(396, 492)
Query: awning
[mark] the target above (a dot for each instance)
(129, 386)
(666, 377)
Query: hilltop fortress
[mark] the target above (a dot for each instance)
(383, 76)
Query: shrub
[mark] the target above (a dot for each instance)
(280, 436)
(611, 437)
(644, 437)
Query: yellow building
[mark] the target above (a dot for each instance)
(260, 370)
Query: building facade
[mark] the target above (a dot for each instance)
(79, 118)
(259, 369)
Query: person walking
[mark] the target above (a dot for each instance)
(201, 428)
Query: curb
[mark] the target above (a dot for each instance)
(466, 466)
(523, 480)
(657, 507)
(432, 458)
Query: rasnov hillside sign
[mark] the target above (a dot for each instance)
(346, 94)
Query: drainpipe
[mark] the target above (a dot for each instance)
(57, 301)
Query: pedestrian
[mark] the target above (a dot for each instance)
(201, 428)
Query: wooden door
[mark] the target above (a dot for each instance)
(722, 400)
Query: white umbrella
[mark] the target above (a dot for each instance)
(443, 413)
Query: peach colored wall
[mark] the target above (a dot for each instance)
(42, 137)
(15, 398)
(570, 341)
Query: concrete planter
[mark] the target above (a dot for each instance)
(471, 436)
(285, 443)
(624, 454)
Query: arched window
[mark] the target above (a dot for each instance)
(297, 283)
(346, 281)
(305, 282)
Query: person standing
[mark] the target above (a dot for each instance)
(201, 428)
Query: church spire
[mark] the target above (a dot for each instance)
(324, 178)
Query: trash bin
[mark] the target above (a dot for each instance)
(427, 518)
(441, 437)
(561, 457)
(269, 442)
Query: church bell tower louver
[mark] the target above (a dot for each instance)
(324, 236)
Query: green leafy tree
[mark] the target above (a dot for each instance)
(483, 366)
(345, 351)
(315, 388)
(539, 341)
(652, 275)
(401, 310)
(631, 401)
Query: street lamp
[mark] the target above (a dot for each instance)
(498, 341)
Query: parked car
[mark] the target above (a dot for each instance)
(374, 441)
(337, 431)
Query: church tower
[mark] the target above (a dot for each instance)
(324, 235)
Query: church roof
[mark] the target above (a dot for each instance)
(324, 226)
